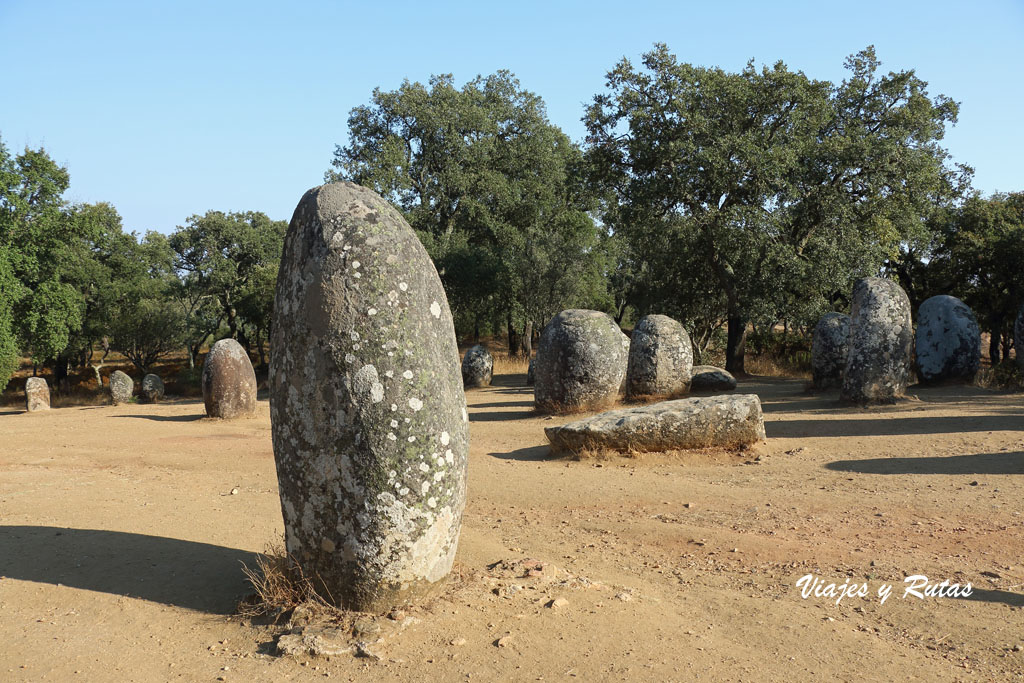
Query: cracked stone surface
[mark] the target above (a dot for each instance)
(948, 341)
(477, 367)
(829, 348)
(660, 358)
(121, 387)
(879, 360)
(723, 421)
(581, 362)
(37, 394)
(229, 381)
(368, 414)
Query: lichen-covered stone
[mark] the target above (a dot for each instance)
(1018, 338)
(477, 367)
(829, 348)
(530, 371)
(581, 362)
(229, 381)
(367, 408)
(37, 394)
(121, 387)
(710, 378)
(711, 421)
(626, 341)
(879, 359)
(660, 358)
(948, 341)
(152, 389)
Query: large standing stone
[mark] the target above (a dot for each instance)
(660, 358)
(829, 348)
(948, 341)
(37, 394)
(722, 421)
(369, 417)
(152, 388)
(229, 381)
(881, 342)
(710, 378)
(581, 362)
(477, 367)
(121, 387)
(1018, 338)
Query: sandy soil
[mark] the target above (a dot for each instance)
(121, 546)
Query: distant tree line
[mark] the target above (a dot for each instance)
(727, 200)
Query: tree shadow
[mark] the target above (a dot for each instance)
(1009, 420)
(1005, 597)
(502, 416)
(12, 412)
(982, 463)
(514, 380)
(530, 454)
(167, 418)
(198, 576)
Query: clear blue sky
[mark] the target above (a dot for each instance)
(168, 109)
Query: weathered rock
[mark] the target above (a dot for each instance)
(1018, 338)
(710, 378)
(725, 421)
(581, 362)
(948, 341)
(879, 360)
(660, 358)
(37, 394)
(152, 388)
(829, 348)
(477, 367)
(368, 413)
(229, 381)
(626, 341)
(121, 387)
(530, 371)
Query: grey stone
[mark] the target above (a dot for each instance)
(879, 359)
(121, 387)
(710, 378)
(367, 408)
(529, 372)
(829, 349)
(581, 362)
(152, 388)
(660, 358)
(948, 341)
(722, 421)
(1018, 338)
(229, 381)
(626, 341)
(37, 394)
(477, 367)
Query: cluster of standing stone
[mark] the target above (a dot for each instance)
(229, 381)
(367, 408)
(477, 367)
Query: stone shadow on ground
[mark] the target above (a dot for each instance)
(167, 418)
(1005, 597)
(529, 454)
(896, 426)
(982, 463)
(198, 576)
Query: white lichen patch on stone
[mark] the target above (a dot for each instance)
(435, 309)
(415, 404)
(424, 467)
(404, 286)
(446, 438)
(372, 311)
(407, 374)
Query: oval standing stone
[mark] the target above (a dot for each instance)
(367, 408)
(881, 342)
(229, 381)
(660, 358)
(121, 387)
(581, 362)
(477, 367)
(37, 394)
(948, 341)
(152, 388)
(829, 348)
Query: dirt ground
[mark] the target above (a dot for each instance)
(121, 546)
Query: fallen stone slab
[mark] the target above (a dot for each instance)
(720, 421)
(710, 378)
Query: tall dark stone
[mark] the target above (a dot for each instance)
(367, 408)
(477, 367)
(878, 363)
(948, 341)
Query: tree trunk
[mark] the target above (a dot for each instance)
(736, 346)
(61, 381)
(476, 329)
(513, 338)
(99, 377)
(993, 345)
(527, 340)
(259, 347)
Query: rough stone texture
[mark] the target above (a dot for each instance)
(660, 358)
(229, 381)
(725, 421)
(1018, 338)
(829, 349)
(477, 367)
(581, 362)
(710, 378)
(530, 371)
(626, 341)
(879, 360)
(152, 388)
(37, 394)
(121, 387)
(948, 341)
(368, 413)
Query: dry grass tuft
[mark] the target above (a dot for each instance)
(767, 366)
(510, 365)
(1005, 376)
(279, 586)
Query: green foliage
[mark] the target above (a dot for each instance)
(490, 186)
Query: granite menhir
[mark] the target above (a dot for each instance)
(879, 359)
